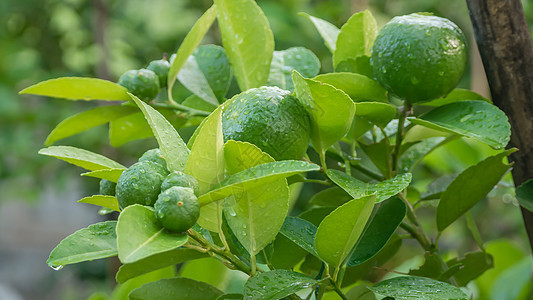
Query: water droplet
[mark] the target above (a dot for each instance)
(415, 80)
(56, 268)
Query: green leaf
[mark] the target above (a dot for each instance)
(472, 185)
(339, 231)
(156, 262)
(328, 31)
(81, 158)
(376, 113)
(379, 231)
(473, 265)
(208, 270)
(257, 207)
(301, 232)
(79, 88)
(206, 164)
(129, 128)
(286, 253)
(94, 242)
(514, 282)
(198, 103)
(417, 152)
(190, 42)
(379, 154)
(276, 284)
(432, 267)
(360, 65)
(412, 287)
(172, 146)
(524, 195)
(86, 120)
(284, 62)
(139, 235)
(258, 175)
(356, 37)
(330, 197)
(109, 174)
(102, 200)
(330, 109)
(476, 119)
(248, 41)
(383, 190)
(455, 96)
(168, 289)
(230, 296)
(358, 87)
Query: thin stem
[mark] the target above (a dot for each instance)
(177, 106)
(323, 161)
(399, 137)
(323, 182)
(338, 290)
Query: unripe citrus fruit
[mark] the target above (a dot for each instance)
(177, 209)
(269, 118)
(180, 179)
(107, 187)
(160, 68)
(419, 57)
(142, 83)
(140, 184)
(154, 155)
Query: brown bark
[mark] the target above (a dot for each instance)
(504, 41)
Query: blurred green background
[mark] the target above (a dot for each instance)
(42, 39)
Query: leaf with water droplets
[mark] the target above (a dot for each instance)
(301, 232)
(284, 62)
(421, 288)
(139, 235)
(469, 187)
(328, 31)
(276, 284)
(81, 158)
(109, 174)
(476, 119)
(176, 288)
(455, 96)
(359, 87)
(94, 242)
(102, 200)
(356, 37)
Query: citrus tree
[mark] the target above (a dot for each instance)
(227, 193)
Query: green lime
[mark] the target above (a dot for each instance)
(142, 83)
(180, 179)
(107, 187)
(177, 209)
(154, 155)
(419, 57)
(269, 118)
(140, 184)
(160, 68)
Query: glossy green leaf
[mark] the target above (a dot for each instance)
(383, 190)
(379, 154)
(231, 297)
(379, 231)
(286, 253)
(276, 284)
(455, 96)
(190, 42)
(360, 65)
(169, 289)
(86, 120)
(474, 230)
(412, 287)
(476, 119)
(94, 242)
(330, 109)
(514, 282)
(432, 268)
(524, 195)
(473, 265)
(208, 270)
(248, 41)
(172, 146)
(327, 31)
(198, 103)
(109, 174)
(301, 232)
(339, 231)
(79, 88)
(81, 158)
(193, 79)
(356, 37)
(377, 113)
(417, 152)
(156, 262)
(472, 185)
(358, 87)
(330, 197)
(284, 62)
(137, 242)
(102, 200)
(256, 176)
(129, 128)
(256, 210)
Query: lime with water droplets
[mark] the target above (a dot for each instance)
(177, 209)
(180, 179)
(154, 155)
(160, 68)
(140, 184)
(142, 83)
(107, 187)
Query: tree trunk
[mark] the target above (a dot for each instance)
(504, 41)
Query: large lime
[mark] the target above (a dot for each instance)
(269, 118)
(140, 184)
(177, 209)
(142, 83)
(107, 187)
(419, 57)
(154, 155)
(180, 179)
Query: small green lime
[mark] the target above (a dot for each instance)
(107, 187)
(140, 184)
(154, 155)
(177, 209)
(269, 118)
(160, 68)
(180, 179)
(419, 57)
(142, 83)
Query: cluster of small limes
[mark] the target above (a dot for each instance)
(148, 182)
(146, 83)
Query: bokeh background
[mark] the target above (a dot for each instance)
(42, 39)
